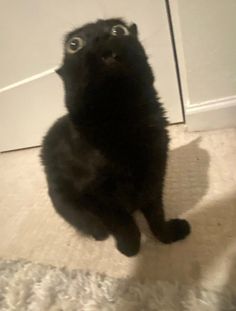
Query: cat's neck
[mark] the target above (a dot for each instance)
(115, 117)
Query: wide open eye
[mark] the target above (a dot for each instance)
(74, 45)
(119, 30)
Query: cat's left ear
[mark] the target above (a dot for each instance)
(134, 29)
(59, 71)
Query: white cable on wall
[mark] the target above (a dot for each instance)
(30, 79)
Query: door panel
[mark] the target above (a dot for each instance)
(27, 111)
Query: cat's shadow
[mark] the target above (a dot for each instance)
(186, 178)
(186, 181)
(213, 230)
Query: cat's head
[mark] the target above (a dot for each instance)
(104, 62)
(104, 48)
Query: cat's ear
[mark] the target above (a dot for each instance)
(60, 71)
(134, 29)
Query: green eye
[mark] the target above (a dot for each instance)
(119, 30)
(74, 45)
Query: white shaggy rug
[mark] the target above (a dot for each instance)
(27, 286)
(198, 273)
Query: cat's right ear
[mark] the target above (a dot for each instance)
(134, 29)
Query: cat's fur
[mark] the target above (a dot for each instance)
(107, 157)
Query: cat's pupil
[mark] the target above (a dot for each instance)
(74, 45)
(119, 31)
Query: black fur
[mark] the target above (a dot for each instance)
(107, 157)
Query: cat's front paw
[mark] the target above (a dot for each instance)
(100, 234)
(129, 249)
(175, 230)
(179, 229)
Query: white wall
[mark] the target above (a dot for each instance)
(205, 32)
(31, 35)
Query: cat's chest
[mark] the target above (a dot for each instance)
(79, 166)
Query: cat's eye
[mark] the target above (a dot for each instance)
(74, 45)
(119, 30)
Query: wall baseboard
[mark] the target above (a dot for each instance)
(210, 115)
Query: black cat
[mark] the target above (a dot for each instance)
(107, 157)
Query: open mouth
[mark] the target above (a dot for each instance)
(110, 59)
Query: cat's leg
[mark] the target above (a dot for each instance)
(117, 220)
(98, 219)
(166, 231)
(123, 227)
(79, 216)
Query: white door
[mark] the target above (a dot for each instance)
(31, 35)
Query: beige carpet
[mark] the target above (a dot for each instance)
(200, 185)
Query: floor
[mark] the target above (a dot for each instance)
(200, 186)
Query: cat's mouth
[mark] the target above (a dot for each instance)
(110, 58)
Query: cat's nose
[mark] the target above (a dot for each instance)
(109, 57)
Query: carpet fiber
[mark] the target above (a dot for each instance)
(200, 186)
(35, 287)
